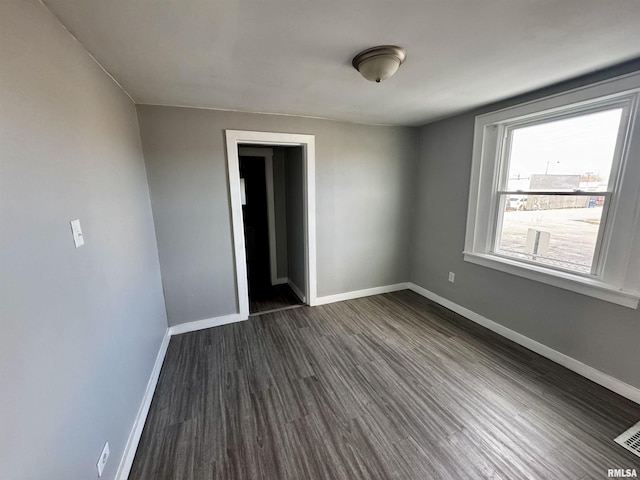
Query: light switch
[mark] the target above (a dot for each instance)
(76, 230)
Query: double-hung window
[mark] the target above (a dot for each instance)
(554, 191)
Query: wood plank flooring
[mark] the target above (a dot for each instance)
(272, 298)
(385, 387)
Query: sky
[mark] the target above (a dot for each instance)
(573, 146)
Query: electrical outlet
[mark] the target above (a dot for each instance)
(104, 456)
(452, 277)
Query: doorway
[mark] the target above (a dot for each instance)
(269, 276)
(270, 184)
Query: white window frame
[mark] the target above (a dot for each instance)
(609, 279)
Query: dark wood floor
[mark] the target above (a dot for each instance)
(386, 387)
(272, 298)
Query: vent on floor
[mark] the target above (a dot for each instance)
(631, 439)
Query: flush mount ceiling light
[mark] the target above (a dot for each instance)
(379, 63)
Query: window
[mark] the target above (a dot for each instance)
(555, 190)
(557, 176)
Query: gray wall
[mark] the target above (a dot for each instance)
(600, 334)
(363, 192)
(294, 192)
(80, 329)
(280, 207)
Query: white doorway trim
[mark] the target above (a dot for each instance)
(267, 154)
(235, 138)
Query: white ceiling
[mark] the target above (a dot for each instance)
(294, 56)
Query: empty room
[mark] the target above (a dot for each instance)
(319, 240)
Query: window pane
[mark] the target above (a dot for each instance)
(554, 230)
(569, 154)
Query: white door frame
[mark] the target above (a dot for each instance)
(267, 154)
(235, 138)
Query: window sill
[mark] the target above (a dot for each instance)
(575, 283)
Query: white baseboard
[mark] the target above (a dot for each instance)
(601, 378)
(339, 297)
(297, 291)
(607, 381)
(281, 281)
(126, 462)
(202, 324)
(136, 431)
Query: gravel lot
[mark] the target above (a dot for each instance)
(574, 232)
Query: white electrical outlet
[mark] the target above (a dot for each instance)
(104, 456)
(452, 277)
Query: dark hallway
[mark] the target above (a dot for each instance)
(263, 296)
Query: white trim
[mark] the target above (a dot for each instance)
(281, 281)
(129, 453)
(565, 280)
(267, 154)
(609, 279)
(310, 218)
(607, 381)
(206, 323)
(367, 292)
(238, 229)
(627, 81)
(601, 378)
(126, 462)
(234, 139)
(297, 291)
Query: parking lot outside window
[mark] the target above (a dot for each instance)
(555, 190)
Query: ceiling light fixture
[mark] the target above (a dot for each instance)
(379, 63)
